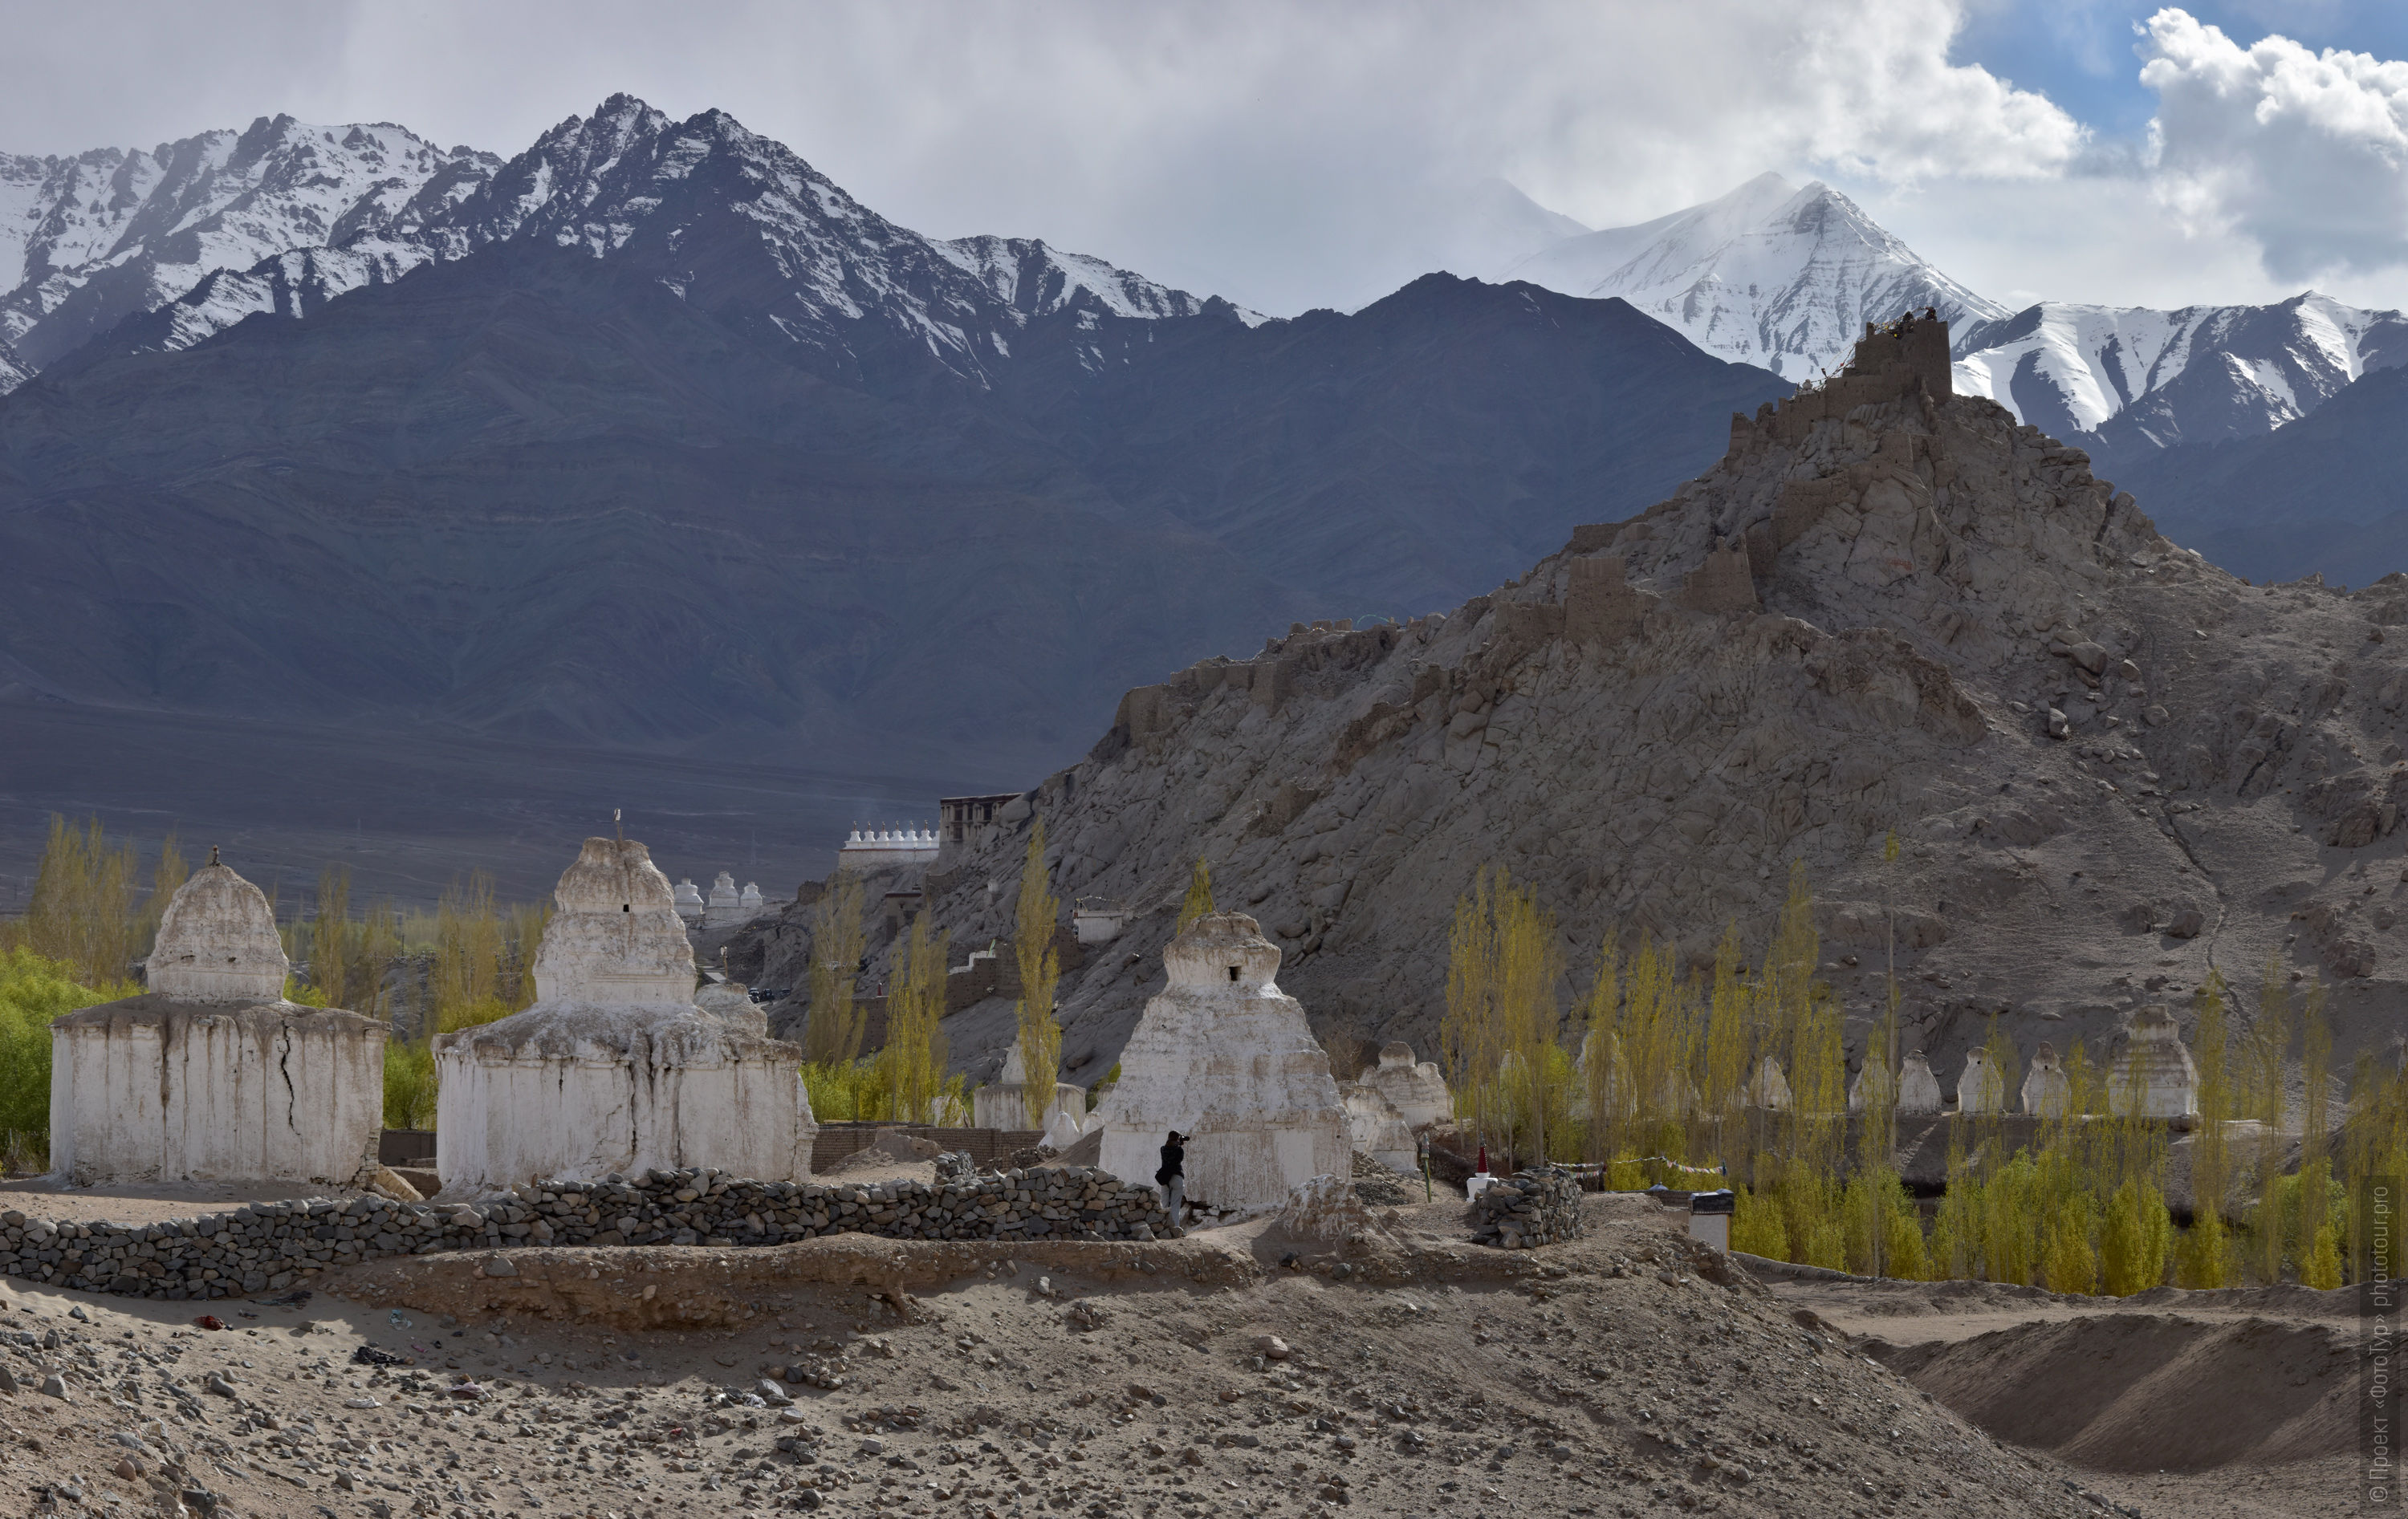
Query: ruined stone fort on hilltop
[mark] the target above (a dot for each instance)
(1886, 609)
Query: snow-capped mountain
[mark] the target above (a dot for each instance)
(777, 240)
(2128, 379)
(1770, 274)
(88, 241)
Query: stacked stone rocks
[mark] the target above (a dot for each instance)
(269, 1246)
(1537, 1206)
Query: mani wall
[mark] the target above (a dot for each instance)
(268, 1246)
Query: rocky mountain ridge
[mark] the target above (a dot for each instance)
(1786, 277)
(629, 182)
(2115, 768)
(2126, 381)
(88, 241)
(1771, 274)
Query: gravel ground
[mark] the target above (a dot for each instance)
(1234, 1373)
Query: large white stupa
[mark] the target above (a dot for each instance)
(614, 1067)
(210, 1075)
(1225, 1057)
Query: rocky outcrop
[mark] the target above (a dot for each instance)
(1622, 730)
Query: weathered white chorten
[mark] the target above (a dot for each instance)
(2048, 1092)
(1223, 1056)
(749, 903)
(1415, 1089)
(1918, 1089)
(1003, 1103)
(689, 903)
(2154, 1077)
(1767, 1088)
(727, 903)
(1980, 1089)
(1375, 1128)
(614, 1067)
(211, 1075)
(1873, 1085)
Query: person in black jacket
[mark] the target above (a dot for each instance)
(1169, 1177)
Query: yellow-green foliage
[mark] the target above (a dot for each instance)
(409, 1084)
(1884, 1236)
(1032, 945)
(2206, 1252)
(914, 1052)
(1757, 1228)
(1499, 1033)
(1199, 896)
(864, 1091)
(33, 991)
(2133, 1240)
(832, 1035)
(81, 915)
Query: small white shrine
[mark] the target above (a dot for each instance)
(2048, 1092)
(1003, 1103)
(2153, 1076)
(210, 1075)
(1223, 1056)
(615, 1067)
(1416, 1090)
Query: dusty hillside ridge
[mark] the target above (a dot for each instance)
(2112, 765)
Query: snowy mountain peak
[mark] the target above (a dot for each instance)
(727, 219)
(2128, 379)
(1769, 274)
(90, 240)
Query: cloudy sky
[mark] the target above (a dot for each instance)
(1302, 154)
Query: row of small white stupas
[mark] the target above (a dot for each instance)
(726, 905)
(2152, 1077)
(622, 1067)
(879, 849)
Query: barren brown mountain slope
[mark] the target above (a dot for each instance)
(2112, 765)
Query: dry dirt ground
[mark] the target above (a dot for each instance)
(1629, 1372)
(2241, 1402)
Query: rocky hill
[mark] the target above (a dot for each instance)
(2324, 495)
(2112, 765)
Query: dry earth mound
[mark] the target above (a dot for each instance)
(2147, 1391)
(2114, 766)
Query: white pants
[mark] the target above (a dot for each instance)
(1173, 1196)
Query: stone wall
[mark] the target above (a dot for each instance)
(269, 1246)
(1536, 1207)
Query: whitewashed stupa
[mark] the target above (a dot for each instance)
(614, 1067)
(1919, 1087)
(1375, 1128)
(1223, 1056)
(1767, 1088)
(210, 1075)
(2154, 1077)
(1416, 1090)
(2048, 1092)
(1980, 1089)
(1003, 1103)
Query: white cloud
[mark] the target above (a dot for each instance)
(2304, 153)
